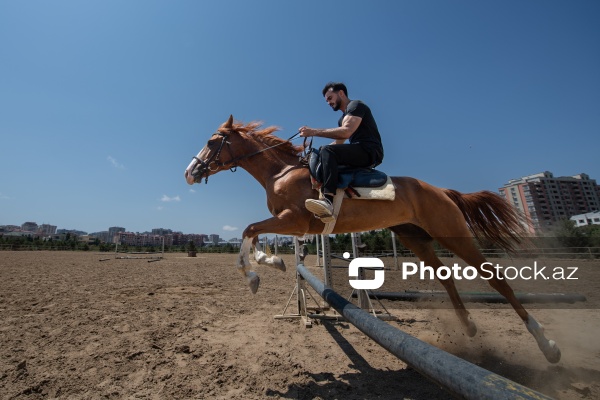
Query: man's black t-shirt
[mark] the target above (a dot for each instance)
(367, 134)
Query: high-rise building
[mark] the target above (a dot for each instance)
(214, 239)
(113, 231)
(162, 231)
(181, 239)
(46, 229)
(29, 227)
(546, 199)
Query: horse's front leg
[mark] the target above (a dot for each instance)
(262, 258)
(285, 223)
(243, 265)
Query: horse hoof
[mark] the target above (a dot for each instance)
(279, 264)
(471, 329)
(552, 352)
(253, 282)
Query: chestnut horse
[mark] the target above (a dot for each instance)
(420, 213)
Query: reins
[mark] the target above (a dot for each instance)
(235, 160)
(304, 159)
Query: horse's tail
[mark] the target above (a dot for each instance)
(491, 217)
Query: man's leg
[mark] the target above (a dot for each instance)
(332, 156)
(340, 154)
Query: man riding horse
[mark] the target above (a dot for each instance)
(363, 150)
(418, 213)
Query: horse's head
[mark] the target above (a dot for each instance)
(235, 144)
(214, 157)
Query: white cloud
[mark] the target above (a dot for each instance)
(230, 228)
(192, 191)
(3, 196)
(159, 208)
(168, 199)
(115, 163)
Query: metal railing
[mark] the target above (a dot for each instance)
(543, 252)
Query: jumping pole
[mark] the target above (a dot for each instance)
(455, 374)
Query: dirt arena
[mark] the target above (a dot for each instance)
(74, 327)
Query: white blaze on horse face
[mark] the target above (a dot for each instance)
(188, 172)
(189, 178)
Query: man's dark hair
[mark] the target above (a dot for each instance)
(336, 86)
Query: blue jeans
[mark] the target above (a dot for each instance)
(353, 155)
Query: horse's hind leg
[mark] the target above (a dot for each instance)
(548, 347)
(466, 249)
(423, 249)
(262, 258)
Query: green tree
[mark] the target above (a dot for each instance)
(592, 233)
(340, 242)
(568, 235)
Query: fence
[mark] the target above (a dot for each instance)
(546, 252)
(33, 247)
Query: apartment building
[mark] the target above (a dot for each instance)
(47, 229)
(546, 199)
(113, 231)
(137, 239)
(182, 239)
(29, 227)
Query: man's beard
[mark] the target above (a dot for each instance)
(336, 105)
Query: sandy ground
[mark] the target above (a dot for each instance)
(74, 327)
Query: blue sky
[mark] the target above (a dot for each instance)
(103, 103)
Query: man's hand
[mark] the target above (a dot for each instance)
(305, 131)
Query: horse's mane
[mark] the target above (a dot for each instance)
(265, 136)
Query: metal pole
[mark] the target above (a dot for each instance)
(318, 256)
(395, 251)
(296, 249)
(327, 260)
(455, 374)
(363, 298)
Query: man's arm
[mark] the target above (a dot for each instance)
(349, 125)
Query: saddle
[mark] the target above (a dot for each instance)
(356, 183)
(350, 179)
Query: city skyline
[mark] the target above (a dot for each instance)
(58, 230)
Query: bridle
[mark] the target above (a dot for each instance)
(213, 164)
(205, 166)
